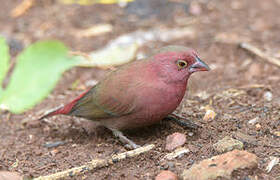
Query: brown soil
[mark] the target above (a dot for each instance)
(256, 20)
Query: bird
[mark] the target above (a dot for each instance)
(139, 93)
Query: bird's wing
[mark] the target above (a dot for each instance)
(100, 102)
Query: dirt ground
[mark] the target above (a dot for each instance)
(235, 87)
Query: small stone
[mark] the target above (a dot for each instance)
(268, 96)
(245, 138)
(54, 152)
(253, 121)
(227, 144)
(209, 115)
(190, 134)
(175, 140)
(166, 175)
(258, 127)
(221, 166)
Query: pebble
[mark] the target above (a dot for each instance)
(209, 115)
(253, 121)
(227, 144)
(258, 127)
(54, 152)
(221, 166)
(190, 134)
(166, 175)
(268, 96)
(175, 140)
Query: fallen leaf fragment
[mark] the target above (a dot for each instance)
(221, 166)
(123, 49)
(110, 56)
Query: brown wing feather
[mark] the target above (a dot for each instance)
(115, 96)
(99, 104)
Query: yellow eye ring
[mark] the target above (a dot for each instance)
(181, 64)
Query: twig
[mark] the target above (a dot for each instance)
(96, 163)
(176, 153)
(260, 53)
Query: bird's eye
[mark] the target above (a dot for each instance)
(181, 64)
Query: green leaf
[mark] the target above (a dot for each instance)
(4, 61)
(38, 69)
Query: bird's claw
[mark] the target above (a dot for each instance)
(182, 121)
(128, 143)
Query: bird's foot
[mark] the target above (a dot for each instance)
(182, 121)
(128, 143)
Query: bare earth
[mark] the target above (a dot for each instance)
(230, 87)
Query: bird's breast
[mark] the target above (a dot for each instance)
(157, 101)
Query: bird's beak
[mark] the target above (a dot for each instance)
(199, 65)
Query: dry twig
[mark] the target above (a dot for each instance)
(258, 52)
(96, 163)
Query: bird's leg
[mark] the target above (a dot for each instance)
(129, 143)
(182, 121)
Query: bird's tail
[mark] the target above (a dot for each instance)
(63, 109)
(52, 112)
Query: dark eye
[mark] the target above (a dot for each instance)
(181, 64)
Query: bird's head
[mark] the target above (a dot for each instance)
(177, 63)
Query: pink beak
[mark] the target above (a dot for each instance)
(198, 65)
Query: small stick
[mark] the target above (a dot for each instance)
(260, 53)
(96, 163)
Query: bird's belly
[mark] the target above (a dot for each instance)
(153, 106)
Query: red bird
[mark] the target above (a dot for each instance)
(139, 93)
